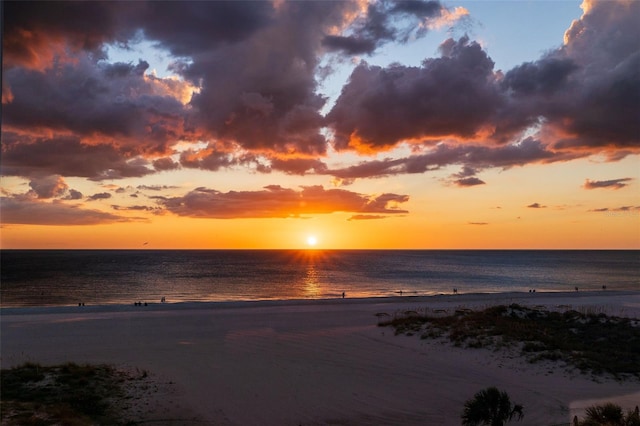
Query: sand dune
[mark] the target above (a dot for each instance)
(310, 362)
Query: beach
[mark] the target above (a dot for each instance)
(311, 362)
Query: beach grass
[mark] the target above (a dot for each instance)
(591, 342)
(68, 394)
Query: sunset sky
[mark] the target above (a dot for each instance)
(362, 124)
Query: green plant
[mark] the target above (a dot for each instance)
(490, 407)
(590, 342)
(68, 394)
(608, 414)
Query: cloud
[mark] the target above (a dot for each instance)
(155, 187)
(581, 97)
(73, 195)
(587, 91)
(366, 217)
(616, 209)
(261, 93)
(21, 210)
(35, 33)
(48, 186)
(193, 27)
(473, 158)
(478, 223)
(209, 158)
(298, 166)
(136, 208)
(451, 96)
(23, 155)
(612, 184)
(98, 102)
(99, 196)
(466, 177)
(164, 164)
(469, 181)
(277, 202)
(536, 206)
(247, 89)
(37, 29)
(387, 21)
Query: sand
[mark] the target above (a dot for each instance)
(310, 362)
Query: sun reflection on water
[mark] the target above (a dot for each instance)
(312, 286)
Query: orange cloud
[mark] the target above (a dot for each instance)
(278, 202)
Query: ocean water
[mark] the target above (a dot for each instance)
(69, 277)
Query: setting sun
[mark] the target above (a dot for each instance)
(312, 240)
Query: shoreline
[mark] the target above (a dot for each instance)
(312, 362)
(234, 304)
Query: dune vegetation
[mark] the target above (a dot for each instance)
(588, 341)
(68, 394)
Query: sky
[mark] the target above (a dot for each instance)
(321, 124)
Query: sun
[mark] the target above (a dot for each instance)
(312, 240)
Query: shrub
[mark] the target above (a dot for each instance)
(490, 407)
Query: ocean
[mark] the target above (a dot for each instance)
(69, 277)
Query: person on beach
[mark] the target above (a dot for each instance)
(343, 294)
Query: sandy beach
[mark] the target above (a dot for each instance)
(311, 362)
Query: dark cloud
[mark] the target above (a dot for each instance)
(622, 209)
(73, 195)
(583, 96)
(23, 155)
(588, 91)
(48, 186)
(112, 103)
(472, 157)
(536, 206)
(298, 166)
(136, 208)
(385, 21)
(451, 96)
(192, 27)
(611, 184)
(250, 90)
(244, 55)
(261, 93)
(350, 45)
(469, 181)
(99, 196)
(209, 158)
(155, 187)
(166, 163)
(370, 32)
(278, 202)
(20, 210)
(35, 31)
(543, 77)
(466, 177)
